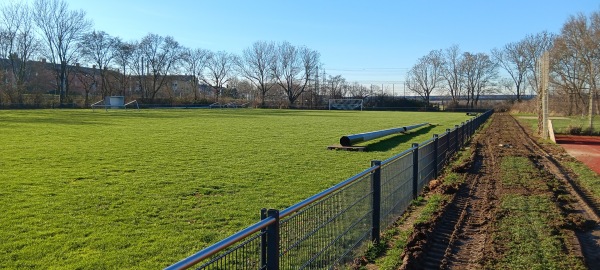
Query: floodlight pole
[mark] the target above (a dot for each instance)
(544, 70)
(591, 101)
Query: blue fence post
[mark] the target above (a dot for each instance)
(263, 240)
(415, 190)
(273, 241)
(376, 187)
(435, 155)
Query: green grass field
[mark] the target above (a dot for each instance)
(144, 189)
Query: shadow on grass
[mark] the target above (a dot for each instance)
(395, 140)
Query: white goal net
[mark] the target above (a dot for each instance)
(346, 104)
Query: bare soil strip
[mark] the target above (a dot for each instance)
(461, 237)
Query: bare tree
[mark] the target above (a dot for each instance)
(583, 36)
(337, 86)
(425, 76)
(61, 29)
(219, 68)
(452, 72)
(18, 44)
(593, 44)
(194, 61)
(255, 64)
(358, 90)
(536, 45)
(159, 55)
(99, 48)
(507, 86)
(139, 68)
(123, 55)
(88, 81)
(294, 68)
(514, 59)
(478, 72)
(569, 74)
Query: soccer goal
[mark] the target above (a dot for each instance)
(345, 104)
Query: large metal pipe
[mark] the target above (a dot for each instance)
(348, 140)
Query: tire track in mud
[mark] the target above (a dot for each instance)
(460, 236)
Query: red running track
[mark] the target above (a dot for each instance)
(584, 148)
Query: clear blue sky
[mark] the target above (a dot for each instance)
(366, 41)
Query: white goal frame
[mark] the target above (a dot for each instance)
(345, 104)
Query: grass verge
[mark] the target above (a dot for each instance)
(527, 234)
(589, 179)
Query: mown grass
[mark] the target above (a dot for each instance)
(527, 229)
(143, 189)
(532, 241)
(518, 172)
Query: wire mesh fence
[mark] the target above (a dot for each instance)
(323, 233)
(426, 163)
(396, 186)
(328, 230)
(245, 255)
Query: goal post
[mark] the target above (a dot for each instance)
(346, 104)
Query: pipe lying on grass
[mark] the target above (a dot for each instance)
(348, 140)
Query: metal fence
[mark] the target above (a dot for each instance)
(326, 230)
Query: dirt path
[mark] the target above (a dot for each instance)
(461, 237)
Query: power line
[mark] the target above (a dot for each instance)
(369, 69)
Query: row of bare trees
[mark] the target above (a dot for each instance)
(460, 75)
(574, 62)
(48, 29)
(574, 54)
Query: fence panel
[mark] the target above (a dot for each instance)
(246, 255)
(452, 142)
(242, 250)
(396, 187)
(442, 151)
(426, 164)
(326, 232)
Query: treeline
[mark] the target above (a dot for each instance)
(47, 49)
(574, 65)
